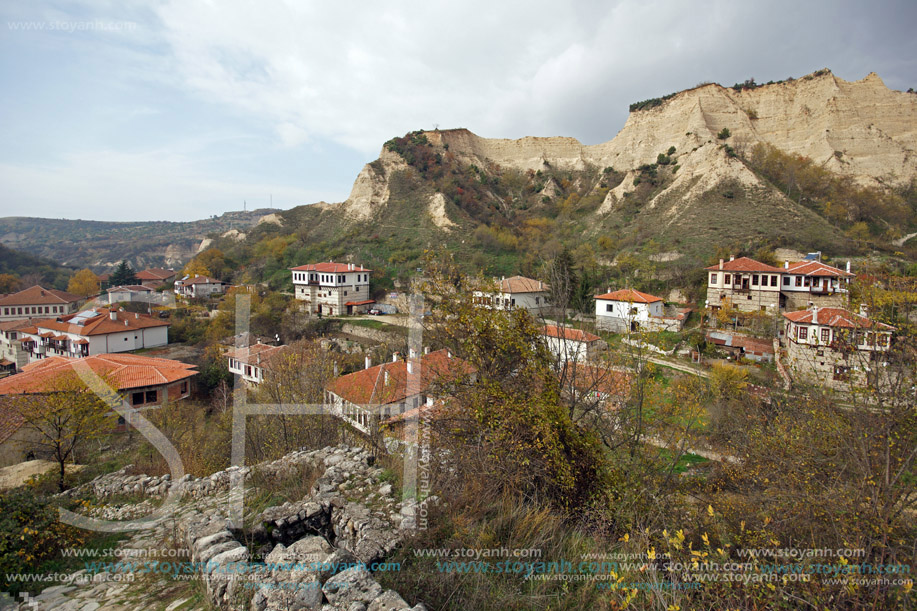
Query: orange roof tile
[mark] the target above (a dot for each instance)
(816, 268)
(745, 264)
(154, 273)
(251, 354)
(100, 324)
(585, 377)
(369, 386)
(124, 370)
(521, 284)
(835, 317)
(330, 268)
(569, 333)
(37, 295)
(629, 296)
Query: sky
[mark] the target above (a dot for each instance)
(128, 110)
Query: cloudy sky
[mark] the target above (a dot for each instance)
(181, 109)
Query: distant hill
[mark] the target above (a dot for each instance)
(35, 269)
(101, 245)
(815, 163)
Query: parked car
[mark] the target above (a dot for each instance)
(376, 312)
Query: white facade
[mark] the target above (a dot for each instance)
(333, 289)
(517, 292)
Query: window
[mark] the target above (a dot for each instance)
(803, 332)
(6, 311)
(151, 396)
(825, 336)
(137, 398)
(713, 278)
(773, 280)
(786, 281)
(727, 279)
(798, 280)
(754, 279)
(47, 310)
(609, 307)
(883, 340)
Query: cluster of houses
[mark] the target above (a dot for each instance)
(44, 332)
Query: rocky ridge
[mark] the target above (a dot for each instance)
(314, 554)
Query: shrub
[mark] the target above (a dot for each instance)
(724, 133)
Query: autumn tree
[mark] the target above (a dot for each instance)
(211, 262)
(9, 283)
(506, 429)
(83, 283)
(70, 413)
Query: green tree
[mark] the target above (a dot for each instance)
(123, 275)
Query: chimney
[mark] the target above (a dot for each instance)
(335, 369)
(113, 315)
(864, 310)
(367, 362)
(412, 353)
(386, 377)
(410, 366)
(732, 257)
(848, 267)
(136, 315)
(721, 264)
(786, 265)
(426, 349)
(395, 357)
(126, 324)
(448, 354)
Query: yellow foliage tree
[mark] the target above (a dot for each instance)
(84, 283)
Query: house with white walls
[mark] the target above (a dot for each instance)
(834, 347)
(199, 286)
(332, 288)
(812, 282)
(627, 310)
(251, 363)
(515, 292)
(367, 397)
(38, 301)
(91, 332)
(569, 344)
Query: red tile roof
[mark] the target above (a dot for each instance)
(521, 284)
(569, 333)
(200, 280)
(154, 273)
(816, 268)
(359, 303)
(330, 268)
(37, 295)
(369, 387)
(630, 296)
(100, 324)
(124, 370)
(250, 355)
(744, 264)
(835, 317)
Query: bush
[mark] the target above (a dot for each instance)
(724, 133)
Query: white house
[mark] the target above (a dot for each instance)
(516, 292)
(813, 282)
(367, 397)
(333, 288)
(199, 286)
(38, 301)
(627, 310)
(129, 292)
(252, 362)
(834, 347)
(570, 344)
(91, 332)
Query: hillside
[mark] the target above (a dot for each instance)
(815, 163)
(101, 245)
